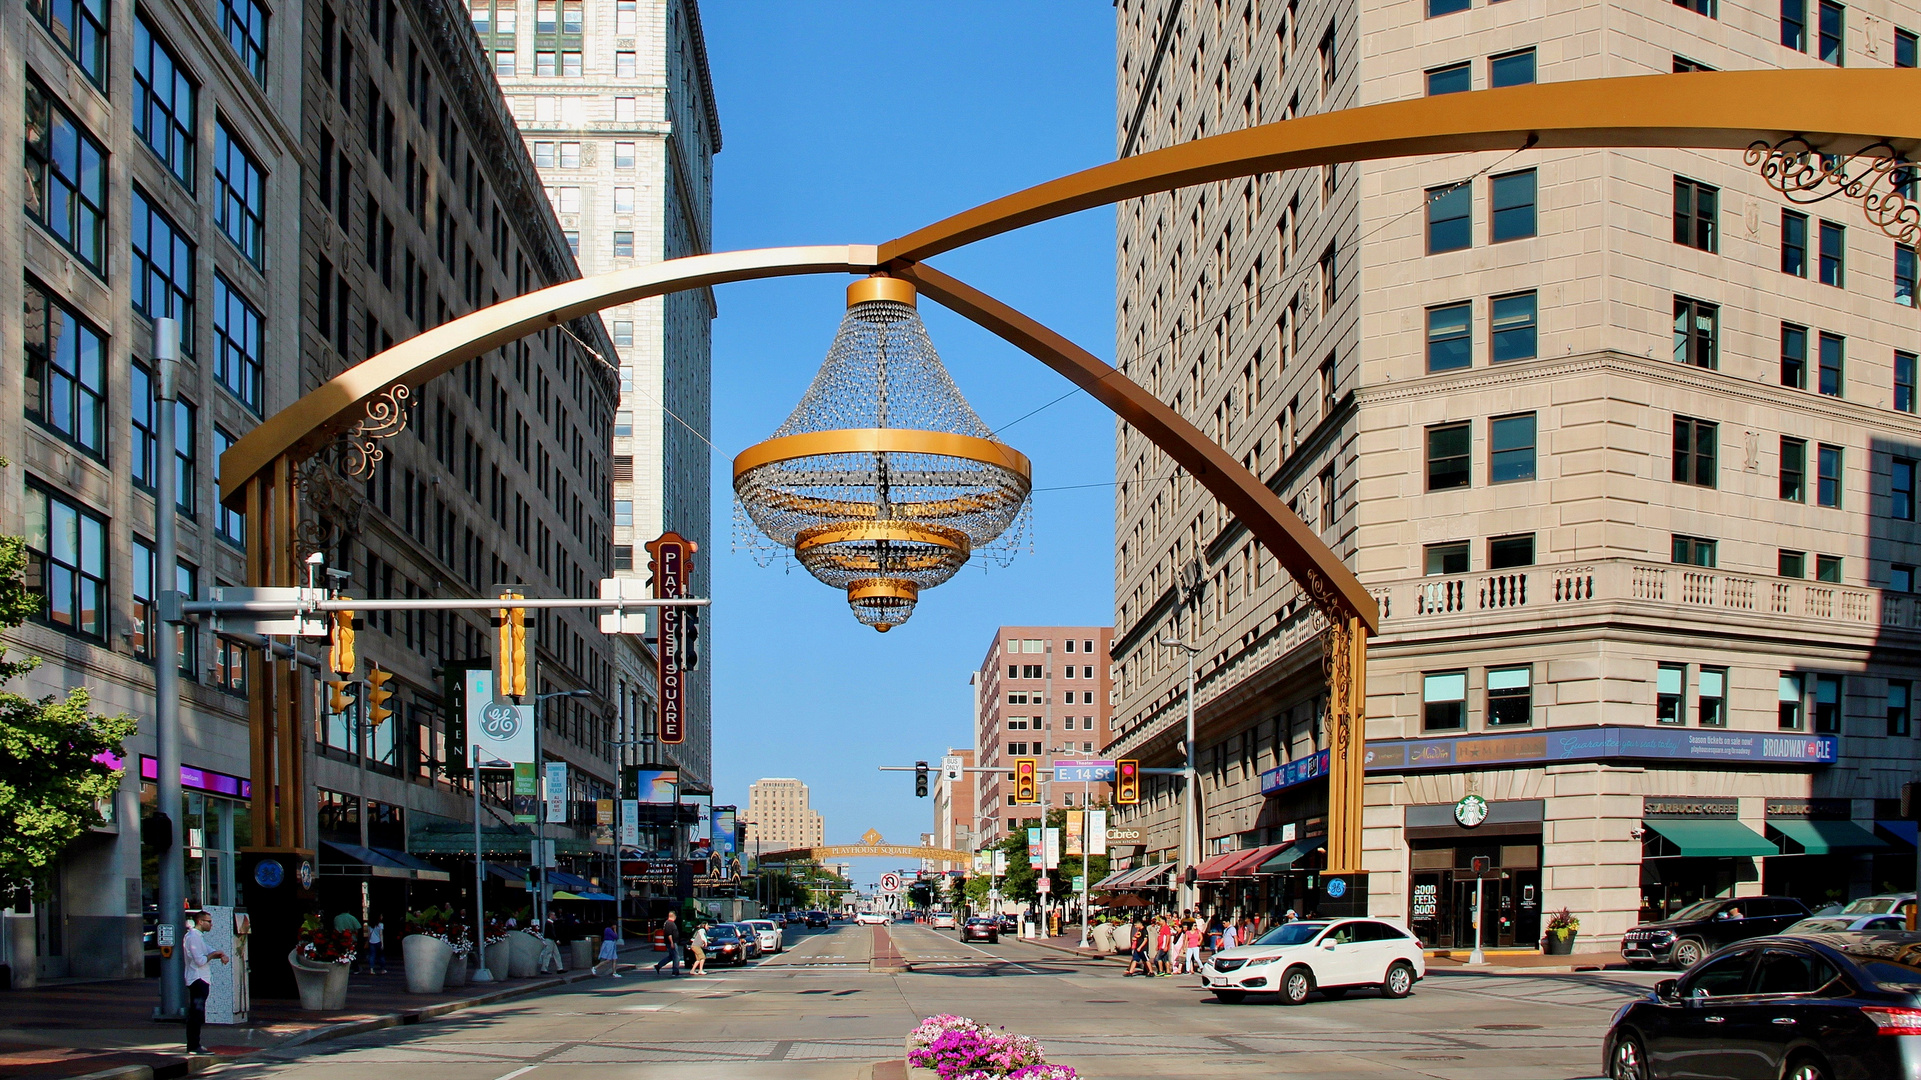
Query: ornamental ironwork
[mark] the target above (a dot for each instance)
(1877, 177)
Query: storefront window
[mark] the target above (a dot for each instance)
(1444, 700)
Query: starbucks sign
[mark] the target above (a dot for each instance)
(1470, 811)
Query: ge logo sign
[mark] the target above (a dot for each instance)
(500, 720)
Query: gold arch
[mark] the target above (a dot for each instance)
(871, 851)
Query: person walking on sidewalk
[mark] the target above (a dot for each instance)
(346, 923)
(699, 945)
(377, 944)
(609, 951)
(670, 936)
(1192, 958)
(197, 958)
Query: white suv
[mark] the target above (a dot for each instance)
(767, 933)
(1329, 955)
(871, 918)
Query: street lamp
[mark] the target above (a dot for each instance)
(1190, 820)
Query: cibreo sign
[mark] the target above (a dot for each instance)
(671, 559)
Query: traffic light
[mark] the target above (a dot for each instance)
(1025, 770)
(1127, 782)
(920, 779)
(689, 638)
(377, 695)
(512, 650)
(337, 699)
(340, 654)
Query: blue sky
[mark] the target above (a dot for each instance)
(855, 123)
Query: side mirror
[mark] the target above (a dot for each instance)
(1668, 990)
(1329, 943)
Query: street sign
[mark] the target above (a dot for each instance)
(1044, 884)
(623, 620)
(291, 623)
(890, 883)
(1080, 883)
(1083, 772)
(950, 768)
(671, 559)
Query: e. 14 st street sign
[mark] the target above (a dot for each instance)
(1083, 772)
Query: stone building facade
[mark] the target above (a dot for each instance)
(1040, 692)
(1622, 442)
(778, 816)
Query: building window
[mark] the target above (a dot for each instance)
(573, 241)
(239, 349)
(163, 102)
(1827, 704)
(1444, 701)
(1827, 568)
(1794, 356)
(571, 65)
(1833, 352)
(184, 471)
(623, 244)
(1694, 451)
(623, 200)
(1794, 24)
(1710, 703)
(1445, 559)
(1449, 337)
(240, 208)
(66, 371)
(1905, 271)
(504, 63)
(1790, 695)
(142, 405)
(1449, 457)
(623, 513)
(1900, 692)
(1794, 469)
(1833, 33)
(1511, 448)
(1670, 694)
(245, 24)
(1695, 204)
(1900, 578)
(1828, 488)
(1699, 7)
(1508, 552)
(66, 178)
(1904, 48)
(1511, 69)
(67, 563)
(1453, 79)
(1330, 281)
(626, 64)
(626, 16)
(1901, 489)
(1696, 332)
(1794, 243)
(1450, 218)
(1513, 216)
(1514, 328)
(1904, 382)
(231, 524)
(1693, 551)
(1791, 564)
(1833, 254)
(79, 27)
(626, 109)
(623, 155)
(1446, 7)
(623, 333)
(1510, 696)
(546, 63)
(163, 262)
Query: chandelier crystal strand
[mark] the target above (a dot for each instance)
(883, 481)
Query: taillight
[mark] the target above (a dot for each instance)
(1893, 1020)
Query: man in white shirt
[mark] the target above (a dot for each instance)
(199, 979)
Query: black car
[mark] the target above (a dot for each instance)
(1683, 938)
(982, 928)
(1010, 924)
(817, 918)
(725, 944)
(1800, 1007)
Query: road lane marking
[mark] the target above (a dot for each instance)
(517, 1072)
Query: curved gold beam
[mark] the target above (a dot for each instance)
(307, 424)
(1839, 110)
(882, 440)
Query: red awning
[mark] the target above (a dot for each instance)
(1250, 860)
(1221, 866)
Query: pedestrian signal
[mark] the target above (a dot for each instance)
(377, 695)
(1025, 771)
(1127, 783)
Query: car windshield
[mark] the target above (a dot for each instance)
(1697, 911)
(1870, 905)
(761, 924)
(1294, 933)
(1819, 925)
(721, 933)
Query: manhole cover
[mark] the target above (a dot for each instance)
(1432, 1057)
(1507, 1027)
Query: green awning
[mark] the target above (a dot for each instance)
(1282, 863)
(1823, 837)
(1712, 837)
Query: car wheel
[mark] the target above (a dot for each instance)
(1399, 982)
(1296, 985)
(1687, 953)
(1629, 1062)
(1230, 997)
(1808, 1067)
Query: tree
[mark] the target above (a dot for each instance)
(51, 778)
(920, 894)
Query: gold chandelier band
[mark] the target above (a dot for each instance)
(847, 508)
(880, 288)
(906, 532)
(882, 588)
(883, 440)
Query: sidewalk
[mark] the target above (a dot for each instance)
(98, 1030)
(1499, 961)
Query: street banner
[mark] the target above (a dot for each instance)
(630, 822)
(1096, 832)
(655, 785)
(1000, 863)
(556, 793)
(1044, 884)
(603, 811)
(671, 560)
(499, 733)
(1074, 832)
(1051, 848)
(724, 830)
(1034, 847)
(526, 792)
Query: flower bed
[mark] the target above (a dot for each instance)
(957, 1048)
(323, 946)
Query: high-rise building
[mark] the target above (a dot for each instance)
(778, 817)
(955, 805)
(1041, 692)
(617, 107)
(1623, 442)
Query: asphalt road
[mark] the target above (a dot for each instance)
(838, 1002)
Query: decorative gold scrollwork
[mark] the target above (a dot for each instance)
(386, 417)
(1877, 177)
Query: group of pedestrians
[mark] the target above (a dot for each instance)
(1166, 945)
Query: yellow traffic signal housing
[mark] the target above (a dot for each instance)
(337, 698)
(377, 695)
(340, 653)
(512, 648)
(1127, 782)
(1025, 770)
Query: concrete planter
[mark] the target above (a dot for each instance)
(913, 1073)
(323, 987)
(456, 969)
(427, 959)
(581, 953)
(500, 957)
(1558, 943)
(523, 954)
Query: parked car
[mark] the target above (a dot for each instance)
(1010, 924)
(943, 920)
(1820, 924)
(982, 928)
(767, 934)
(724, 944)
(1691, 933)
(817, 918)
(1332, 956)
(871, 918)
(1808, 1007)
(1880, 904)
(749, 940)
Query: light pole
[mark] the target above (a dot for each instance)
(166, 669)
(540, 815)
(1190, 819)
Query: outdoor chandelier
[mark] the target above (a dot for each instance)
(883, 480)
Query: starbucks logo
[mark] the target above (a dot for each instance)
(1470, 811)
(500, 720)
